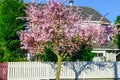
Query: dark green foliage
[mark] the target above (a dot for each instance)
(1, 55)
(10, 10)
(117, 37)
(117, 40)
(84, 54)
(117, 20)
(47, 56)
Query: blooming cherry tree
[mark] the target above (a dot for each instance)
(63, 27)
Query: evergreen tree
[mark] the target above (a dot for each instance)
(117, 37)
(117, 19)
(10, 10)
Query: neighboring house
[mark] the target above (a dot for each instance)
(108, 51)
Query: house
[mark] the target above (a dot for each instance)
(107, 52)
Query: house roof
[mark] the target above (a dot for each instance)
(86, 11)
(107, 46)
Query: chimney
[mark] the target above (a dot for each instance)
(71, 3)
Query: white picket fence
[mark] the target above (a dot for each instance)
(69, 70)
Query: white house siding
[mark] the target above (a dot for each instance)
(111, 56)
(108, 54)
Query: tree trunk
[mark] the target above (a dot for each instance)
(58, 68)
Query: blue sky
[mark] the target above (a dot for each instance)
(112, 7)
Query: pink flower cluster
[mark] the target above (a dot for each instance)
(60, 25)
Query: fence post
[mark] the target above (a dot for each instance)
(3, 71)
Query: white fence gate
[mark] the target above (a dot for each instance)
(69, 70)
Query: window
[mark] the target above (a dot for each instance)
(99, 54)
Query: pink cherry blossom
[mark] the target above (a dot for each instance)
(62, 26)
